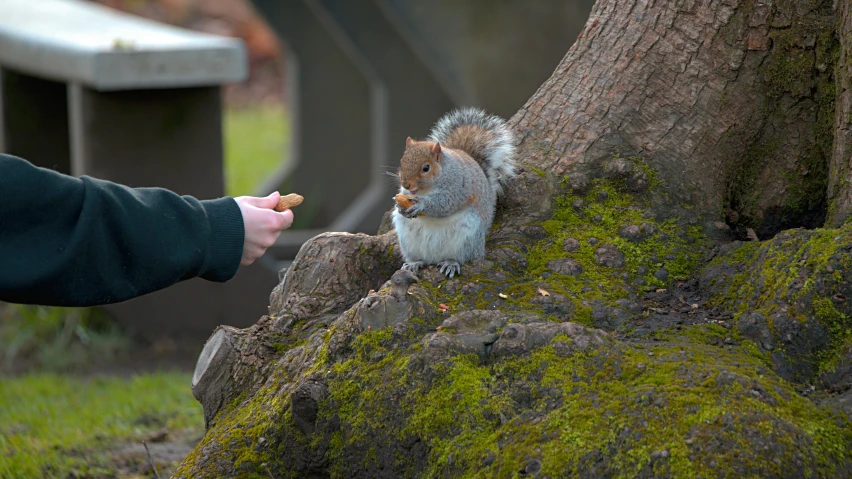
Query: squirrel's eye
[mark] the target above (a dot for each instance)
(426, 168)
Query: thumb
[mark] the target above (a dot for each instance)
(265, 202)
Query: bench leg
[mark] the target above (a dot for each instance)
(166, 137)
(34, 120)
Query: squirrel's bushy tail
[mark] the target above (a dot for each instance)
(484, 137)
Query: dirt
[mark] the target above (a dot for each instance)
(166, 450)
(679, 305)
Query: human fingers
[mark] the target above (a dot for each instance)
(264, 202)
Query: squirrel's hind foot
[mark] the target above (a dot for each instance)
(413, 267)
(450, 268)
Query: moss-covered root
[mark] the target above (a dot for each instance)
(793, 296)
(679, 408)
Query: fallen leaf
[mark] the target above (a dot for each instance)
(502, 295)
(751, 234)
(661, 290)
(543, 292)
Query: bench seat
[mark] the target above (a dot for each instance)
(82, 42)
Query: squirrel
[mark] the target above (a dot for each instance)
(453, 179)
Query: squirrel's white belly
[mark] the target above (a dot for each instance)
(432, 240)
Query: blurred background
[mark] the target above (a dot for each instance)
(333, 89)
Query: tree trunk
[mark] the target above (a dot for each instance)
(840, 186)
(613, 329)
(731, 102)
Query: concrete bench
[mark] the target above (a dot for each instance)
(89, 90)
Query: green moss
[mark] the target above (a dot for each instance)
(236, 438)
(789, 69)
(322, 358)
(795, 274)
(686, 393)
(840, 329)
(285, 342)
(455, 407)
(370, 341)
(537, 171)
(617, 209)
(625, 403)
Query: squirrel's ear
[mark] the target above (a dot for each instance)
(436, 151)
(408, 142)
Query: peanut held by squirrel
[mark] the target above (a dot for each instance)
(452, 180)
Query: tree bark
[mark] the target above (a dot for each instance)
(840, 186)
(729, 101)
(613, 328)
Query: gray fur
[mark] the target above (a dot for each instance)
(500, 152)
(459, 207)
(453, 227)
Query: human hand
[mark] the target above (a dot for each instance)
(262, 224)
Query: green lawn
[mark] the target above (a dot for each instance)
(61, 426)
(256, 141)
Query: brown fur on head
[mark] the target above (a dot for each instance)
(420, 165)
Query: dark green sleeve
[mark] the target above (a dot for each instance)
(69, 241)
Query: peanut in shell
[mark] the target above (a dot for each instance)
(289, 201)
(403, 201)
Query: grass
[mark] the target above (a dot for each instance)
(72, 425)
(255, 146)
(60, 426)
(57, 339)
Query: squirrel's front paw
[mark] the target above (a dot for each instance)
(413, 211)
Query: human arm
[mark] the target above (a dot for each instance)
(82, 241)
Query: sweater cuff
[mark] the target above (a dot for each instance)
(227, 234)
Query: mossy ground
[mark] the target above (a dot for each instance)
(625, 404)
(674, 246)
(799, 274)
